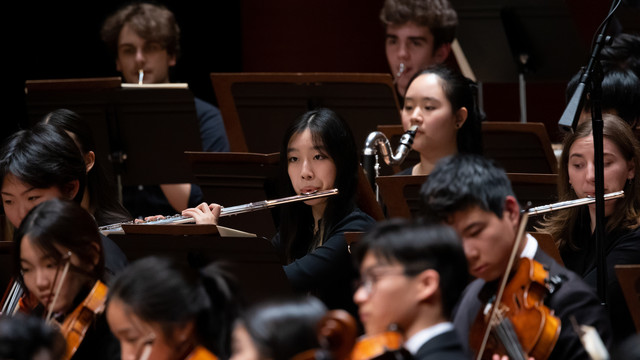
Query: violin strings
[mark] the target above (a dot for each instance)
(509, 339)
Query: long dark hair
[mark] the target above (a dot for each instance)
(296, 220)
(43, 156)
(103, 197)
(461, 92)
(160, 290)
(283, 328)
(626, 215)
(64, 223)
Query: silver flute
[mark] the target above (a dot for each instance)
(571, 203)
(226, 211)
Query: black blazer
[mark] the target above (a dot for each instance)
(445, 346)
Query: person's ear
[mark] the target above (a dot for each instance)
(183, 333)
(512, 209)
(631, 172)
(428, 285)
(89, 160)
(95, 258)
(173, 59)
(70, 189)
(442, 53)
(461, 117)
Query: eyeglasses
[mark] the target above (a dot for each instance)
(369, 280)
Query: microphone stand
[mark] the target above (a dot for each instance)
(592, 75)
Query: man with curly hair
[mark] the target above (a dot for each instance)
(419, 33)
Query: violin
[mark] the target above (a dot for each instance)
(518, 324)
(15, 300)
(75, 325)
(522, 326)
(379, 346)
(337, 332)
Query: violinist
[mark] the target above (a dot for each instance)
(60, 262)
(44, 163)
(277, 329)
(159, 309)
(474, 196)
(411, 276)
(30, 338)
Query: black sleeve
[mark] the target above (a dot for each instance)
(329, 260)
(98, 343)
(114, 258)
(575, 299)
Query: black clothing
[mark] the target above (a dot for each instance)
(328, 272)
(114, 258)
(622, 247)
(99, 343)
(446, 346)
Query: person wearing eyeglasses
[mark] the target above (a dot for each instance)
(411, 275)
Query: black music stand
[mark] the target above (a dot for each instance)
(141, 130)
(252, 261)
(258, 107)
(231, 179)
(544, 30)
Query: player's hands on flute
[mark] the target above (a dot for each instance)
(204, 213)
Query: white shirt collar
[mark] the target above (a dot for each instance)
(530, 249)
(418, 339)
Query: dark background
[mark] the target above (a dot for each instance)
(60, 39)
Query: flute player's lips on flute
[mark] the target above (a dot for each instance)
(309, 190)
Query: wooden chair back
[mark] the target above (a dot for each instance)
(519, 147)
(629, 279)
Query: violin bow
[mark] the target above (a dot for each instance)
(512, 257)
(59, 285)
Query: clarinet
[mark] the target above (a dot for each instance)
(377, 140)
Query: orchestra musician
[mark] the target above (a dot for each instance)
(443, 104)
(277, 329)
(100, 195)
(474, 196)
(418, 34)
(411, 276)
(24, 337)
(159, 309)
(620, 85)
(59, 260)
(43, 163)
(144, 39)
(318, 153)
(573, 228)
